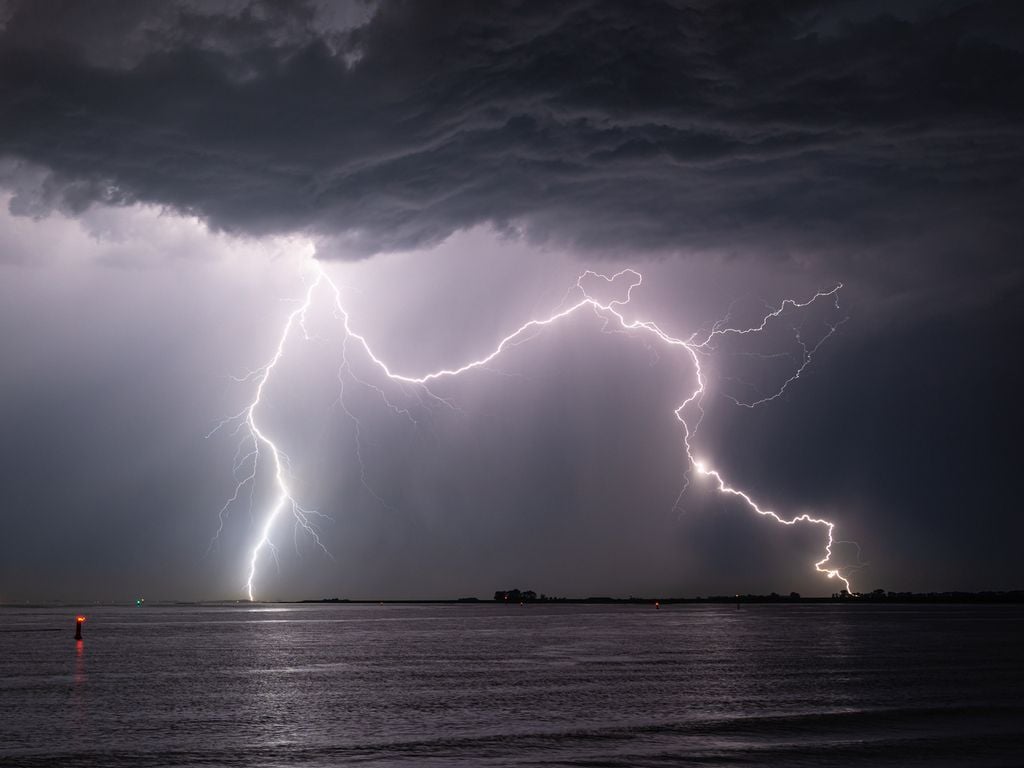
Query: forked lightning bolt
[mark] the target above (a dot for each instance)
(695, 346)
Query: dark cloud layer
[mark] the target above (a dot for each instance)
(658, 126)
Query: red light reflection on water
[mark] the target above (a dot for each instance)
(79, 676)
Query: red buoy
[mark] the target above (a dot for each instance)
(78, 627)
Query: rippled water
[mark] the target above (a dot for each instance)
(500, 685)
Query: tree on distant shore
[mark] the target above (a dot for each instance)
(515, 596)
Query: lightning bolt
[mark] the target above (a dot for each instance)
(612, 314)
(247, 418)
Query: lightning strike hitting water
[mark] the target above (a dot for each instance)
(695, 346)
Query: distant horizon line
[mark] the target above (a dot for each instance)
(877, 596)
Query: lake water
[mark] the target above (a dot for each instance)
(324, 685)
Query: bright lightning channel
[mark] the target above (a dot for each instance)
(611, 312)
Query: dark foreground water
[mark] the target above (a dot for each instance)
(502, 685)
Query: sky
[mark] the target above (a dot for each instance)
(174, 174)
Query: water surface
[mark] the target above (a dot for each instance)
(323, 685)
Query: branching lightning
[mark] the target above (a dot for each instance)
(256, 441)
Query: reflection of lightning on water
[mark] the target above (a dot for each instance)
(689, 413)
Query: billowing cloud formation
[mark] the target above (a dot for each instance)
(678, 125)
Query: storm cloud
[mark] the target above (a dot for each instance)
(776, 128)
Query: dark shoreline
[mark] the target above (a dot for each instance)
(1011, 597)
(966, 598)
